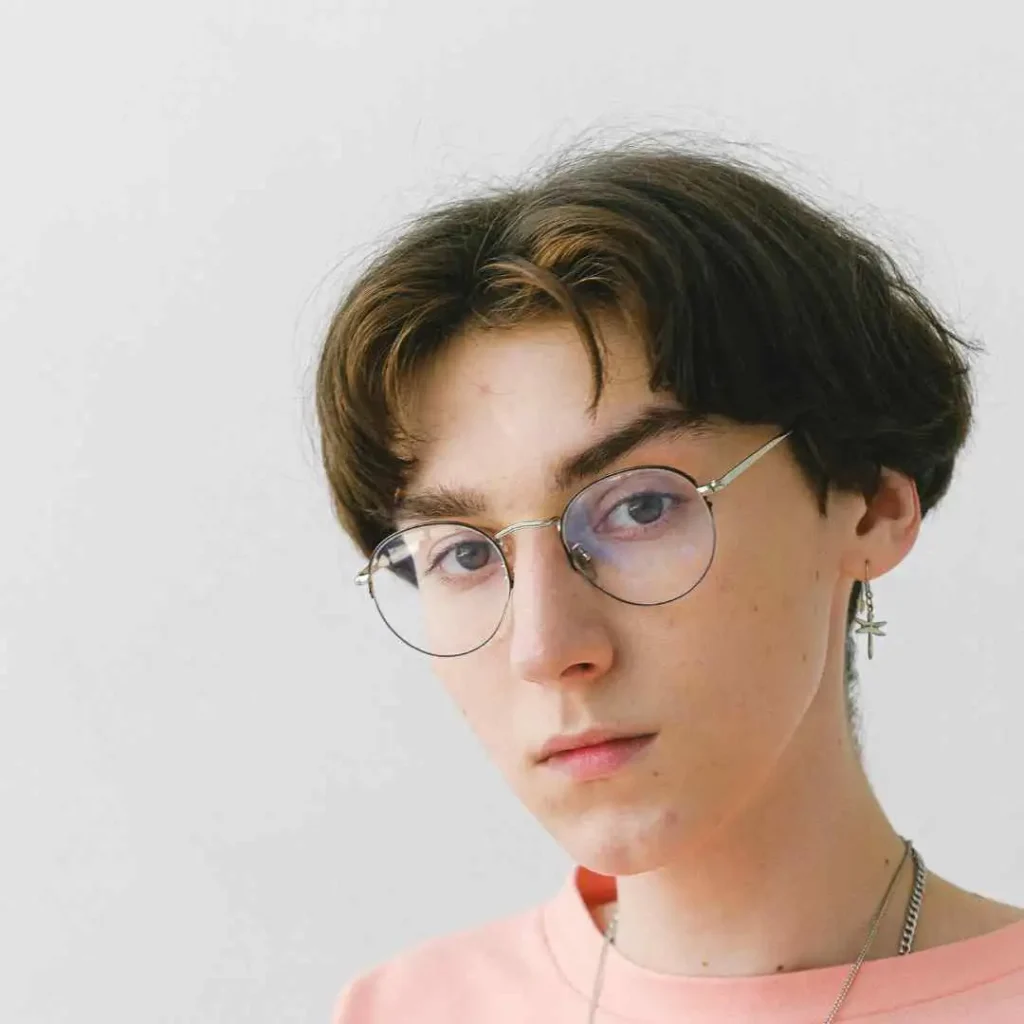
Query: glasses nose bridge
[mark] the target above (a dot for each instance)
(526, 524)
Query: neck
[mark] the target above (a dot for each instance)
(790, 883)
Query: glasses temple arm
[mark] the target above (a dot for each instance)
(714, 486)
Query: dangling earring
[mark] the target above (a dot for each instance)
(867, 622)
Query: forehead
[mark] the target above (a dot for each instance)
(490, 372)
(498, 410)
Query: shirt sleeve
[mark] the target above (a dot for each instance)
(352, 1005)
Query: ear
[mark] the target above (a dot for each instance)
(887, 529)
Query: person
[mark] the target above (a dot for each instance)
(625, 446)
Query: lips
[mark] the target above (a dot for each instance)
(590, 738)
(599, 761)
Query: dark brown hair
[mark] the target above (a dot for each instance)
(754, 305)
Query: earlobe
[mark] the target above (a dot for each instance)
(888, 527)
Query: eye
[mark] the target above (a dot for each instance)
(644, 508)
(466, 555)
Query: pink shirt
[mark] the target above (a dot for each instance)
(537, 967)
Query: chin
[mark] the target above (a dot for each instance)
(621, 840)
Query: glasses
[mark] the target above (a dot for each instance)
(644, 536)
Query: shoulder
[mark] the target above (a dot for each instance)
(436, 979)
(952, 914)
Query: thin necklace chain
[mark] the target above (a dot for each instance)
(906, 941)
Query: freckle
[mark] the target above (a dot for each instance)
(755, 606)
(703, 963)
(780, 967)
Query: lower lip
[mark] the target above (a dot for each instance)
(599, 760)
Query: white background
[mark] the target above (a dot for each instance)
(223, 789)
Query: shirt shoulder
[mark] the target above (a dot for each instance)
(453, 977)
(999, 1000)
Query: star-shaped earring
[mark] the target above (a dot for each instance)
(872, 629)
(866, 622)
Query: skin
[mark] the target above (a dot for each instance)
(746, 839)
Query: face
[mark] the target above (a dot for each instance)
(724, 676)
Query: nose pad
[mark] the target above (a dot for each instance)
(582, 561)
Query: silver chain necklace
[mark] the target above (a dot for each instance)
(906, 941)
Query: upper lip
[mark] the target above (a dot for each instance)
(558, 744)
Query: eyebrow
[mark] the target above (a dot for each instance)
(656, 421)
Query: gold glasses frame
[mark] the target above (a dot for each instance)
(578, 558)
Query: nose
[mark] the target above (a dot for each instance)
(558, 626)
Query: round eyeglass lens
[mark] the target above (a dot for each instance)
(645, 536)
(440, 587)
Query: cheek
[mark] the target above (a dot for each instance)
(748, 647)
(478, 688)
(768, 584)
